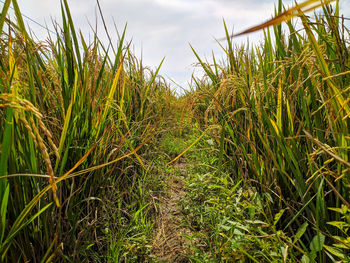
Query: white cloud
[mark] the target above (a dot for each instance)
(162, 27)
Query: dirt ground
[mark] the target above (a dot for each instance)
(169, 244)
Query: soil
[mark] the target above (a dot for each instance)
(169, 244)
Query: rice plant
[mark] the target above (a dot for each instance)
(283, 107)
(74, 120)
(79, 122)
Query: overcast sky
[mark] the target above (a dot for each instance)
(162, 28)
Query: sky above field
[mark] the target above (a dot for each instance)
(161, 28)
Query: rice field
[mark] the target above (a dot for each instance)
(89, 139)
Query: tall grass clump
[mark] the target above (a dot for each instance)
(283, 107)
(74, 118)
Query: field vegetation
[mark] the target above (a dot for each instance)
(93, 142)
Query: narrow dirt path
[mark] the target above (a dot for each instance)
(169, 244)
